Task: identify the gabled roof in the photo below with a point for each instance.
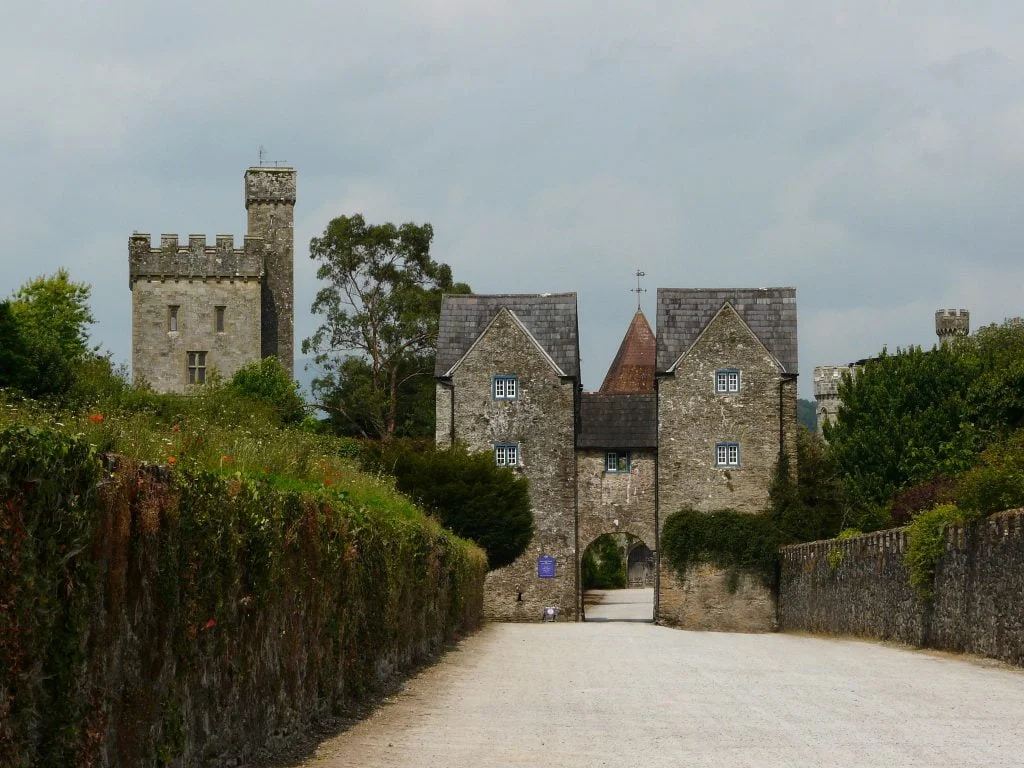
(632, 370)
(550, 318)
(618, 421)
(683, 313)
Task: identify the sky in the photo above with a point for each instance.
(869, 153)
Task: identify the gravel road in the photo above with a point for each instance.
(631, 694)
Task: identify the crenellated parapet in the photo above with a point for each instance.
(951, 324)
(270, 185)
(196, 259)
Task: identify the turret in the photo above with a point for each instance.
(951, 324)
(826, 392)
(270, 203)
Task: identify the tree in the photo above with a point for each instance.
(380, 307)
(49, 317)
(904, 418)
(469, 494)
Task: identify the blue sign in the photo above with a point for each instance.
(546, 567)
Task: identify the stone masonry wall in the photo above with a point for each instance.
(866, 592)
(541, 420)
(605, 497)
(159, 355)
(692, 418)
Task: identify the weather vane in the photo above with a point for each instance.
(638, 290)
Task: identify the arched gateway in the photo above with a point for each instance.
(696, 417)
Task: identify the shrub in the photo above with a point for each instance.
(997, 482)
(926, 544)
(939, 489)
(266, 380)
(469, 494)
(731, 540)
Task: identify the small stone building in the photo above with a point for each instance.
(199, 308)
(695, 416)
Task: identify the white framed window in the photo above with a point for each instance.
(505, 387)
(196, 363)
(727, 381)
(727, 454)
(616, 461)
(506, 454)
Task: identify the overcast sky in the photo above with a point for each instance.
(869, 153)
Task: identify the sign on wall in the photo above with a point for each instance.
(546, 567)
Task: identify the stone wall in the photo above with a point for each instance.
(713, 599)
(159, 354)
(607, 497)
(541, 420)
(692, 419)
(865, 590)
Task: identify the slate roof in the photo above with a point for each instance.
(618, 421)
(632, 370)
(550, 317)
(684, 312)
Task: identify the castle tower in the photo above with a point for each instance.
(270, 203)
(951, 324)
(826, 392)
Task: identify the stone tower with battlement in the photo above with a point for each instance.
(826, 392)
(270, 204)
(199, 308)
(951, 324)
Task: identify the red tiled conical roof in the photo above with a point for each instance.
(632, 371)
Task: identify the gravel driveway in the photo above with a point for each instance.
(633, 694)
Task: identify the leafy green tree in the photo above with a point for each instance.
(467, 492)
(813, 504)
(381, 306)
(807, 414)
(50, 315)
(905, 418)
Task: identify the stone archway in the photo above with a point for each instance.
(618, 574)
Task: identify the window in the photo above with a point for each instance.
(727, 380)
(172, 318)
(218, 319)
(727, 455)
(616, 461)
(196, 367)
(505, 387)
(506, 455)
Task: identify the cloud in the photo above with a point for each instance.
(870, 154)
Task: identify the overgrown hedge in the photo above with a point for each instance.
(730, 540)
(151, 617)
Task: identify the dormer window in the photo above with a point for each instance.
(727, 381)
(616, 461)
(505, 387)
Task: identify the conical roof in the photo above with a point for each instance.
(632, 370)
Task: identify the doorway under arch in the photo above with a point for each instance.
(617, 574)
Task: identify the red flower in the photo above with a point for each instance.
(175, 428)
(96, 418)
(171, 460)
(210, 624)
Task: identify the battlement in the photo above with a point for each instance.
(195, 259)
(270, 185)
(827, 379)
(950, 323)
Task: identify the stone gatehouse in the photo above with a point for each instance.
(695, 415)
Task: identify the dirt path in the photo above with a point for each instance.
(614, 694)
